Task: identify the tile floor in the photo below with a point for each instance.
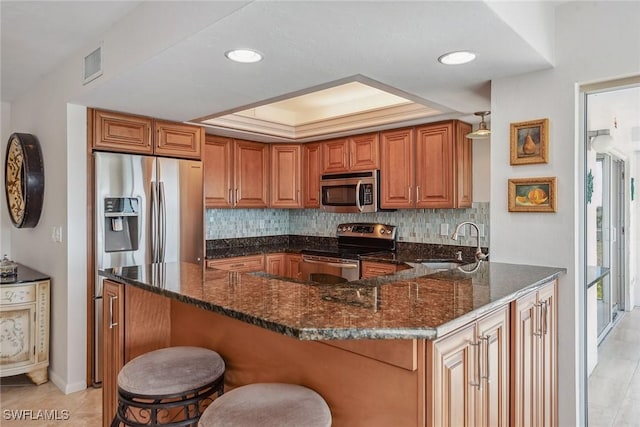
(46, 406)
(614, 385)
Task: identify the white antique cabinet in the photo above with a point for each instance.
(24, 329)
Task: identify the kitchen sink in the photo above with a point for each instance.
(441, 264)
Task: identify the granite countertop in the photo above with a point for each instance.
(25, 275)
(415, 303)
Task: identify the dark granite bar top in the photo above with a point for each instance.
(415, 303)
(24, 275)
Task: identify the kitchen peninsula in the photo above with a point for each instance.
(403, 349)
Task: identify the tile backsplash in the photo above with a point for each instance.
(414, 225)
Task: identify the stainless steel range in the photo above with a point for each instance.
(343, 265)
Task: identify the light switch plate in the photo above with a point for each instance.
(444, 229)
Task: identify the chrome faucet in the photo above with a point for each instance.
(479, 255)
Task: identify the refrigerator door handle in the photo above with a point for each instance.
(163, 222)
(154, 224)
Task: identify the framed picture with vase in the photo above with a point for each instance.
(530, 142)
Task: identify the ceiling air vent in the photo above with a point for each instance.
(93, 65)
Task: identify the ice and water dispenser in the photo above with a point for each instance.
(121, 221)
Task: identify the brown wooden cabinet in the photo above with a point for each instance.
(277, 264)
(241, 264)
(468, 371)
(373, 269)
(112, 347)
(236, 173)
(312, 161)
(251, 174)
(130, 133)
(286, 176)
(534, 358)
(294, 266)
(355, 153)
(218, 172)
(427, 167)
(397, 168)
(178, 139)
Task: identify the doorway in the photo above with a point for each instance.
(610, 221)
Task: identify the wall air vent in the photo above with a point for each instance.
(93, 65)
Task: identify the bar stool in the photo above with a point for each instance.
(268, 405)
(168, 387)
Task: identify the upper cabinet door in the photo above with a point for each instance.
(286, 182)
(335, 155)
(251, 161)
(364, 152)
(312, 157)
(397, 169)
(434, 166)
(178, 139)
(122, 132)
(464, 166)
(218, 172)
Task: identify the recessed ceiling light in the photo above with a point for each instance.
(246, 56)
(457, 58)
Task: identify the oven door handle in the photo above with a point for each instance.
(330, 264)
(358, 185)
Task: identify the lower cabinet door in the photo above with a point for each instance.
(113, 347)
(493, 404)
(451, 397)
(470, 374)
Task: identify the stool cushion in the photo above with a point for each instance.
(170, 371)
(267, 405)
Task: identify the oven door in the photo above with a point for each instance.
(328, 270)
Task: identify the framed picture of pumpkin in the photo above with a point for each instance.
(532, 194)
(530, 142)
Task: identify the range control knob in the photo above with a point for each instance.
(382, 230)
(388, 231)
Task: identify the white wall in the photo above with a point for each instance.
(583, 55)
(5, 223)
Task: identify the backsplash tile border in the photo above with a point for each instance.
(414, 225)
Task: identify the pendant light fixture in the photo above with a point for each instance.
(482, 132)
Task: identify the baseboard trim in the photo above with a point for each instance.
(65, 387)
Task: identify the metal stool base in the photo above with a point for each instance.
(176, 410)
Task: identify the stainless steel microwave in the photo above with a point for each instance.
(350, 192)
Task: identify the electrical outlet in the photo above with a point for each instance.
(444, 229)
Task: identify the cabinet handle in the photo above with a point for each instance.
(417, 193)
(538, 307)
(477, 382)
(230, 196)
(238, 265)
(298, 196)
(544, 318)
(112, 324)
(235, 202)
(487, 363)
(409, 193)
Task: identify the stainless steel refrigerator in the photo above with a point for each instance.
(147, 210)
